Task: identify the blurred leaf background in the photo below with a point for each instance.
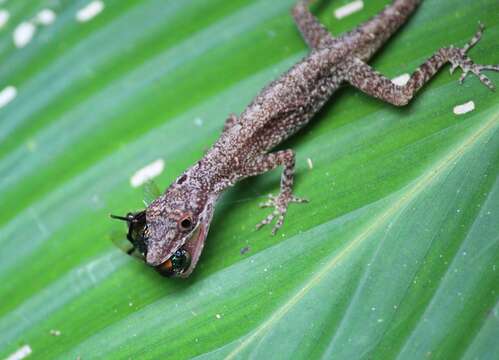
(394, 257)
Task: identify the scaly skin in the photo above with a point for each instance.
(180, 218)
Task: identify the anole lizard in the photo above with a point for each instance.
(170, 233)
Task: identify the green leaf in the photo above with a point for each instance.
(395, 256)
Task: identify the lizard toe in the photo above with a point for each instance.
(298, 200)
(280, 221)
(267, 220)
(458, 58)
(280, 204)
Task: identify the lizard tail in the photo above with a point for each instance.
(381, 27)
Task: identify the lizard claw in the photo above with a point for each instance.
(458, 58)
(463, 76)
(280, 204)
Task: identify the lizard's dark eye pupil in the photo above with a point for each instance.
(186, 223)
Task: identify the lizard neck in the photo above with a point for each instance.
(206, 177)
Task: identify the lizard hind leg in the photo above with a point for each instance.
(363, 77)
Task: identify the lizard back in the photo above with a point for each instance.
(288, 103)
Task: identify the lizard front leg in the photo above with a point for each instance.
(314, 33)
(267, 162)
(362, 76)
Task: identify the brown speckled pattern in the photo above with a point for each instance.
(280, 110)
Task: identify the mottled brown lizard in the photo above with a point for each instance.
(170, 233)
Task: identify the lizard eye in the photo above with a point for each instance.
(185, 223)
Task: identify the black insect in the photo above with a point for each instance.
(138, 237)
(137, 231)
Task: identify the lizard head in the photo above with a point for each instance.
(170, 233)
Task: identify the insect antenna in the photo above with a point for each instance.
(123, 218)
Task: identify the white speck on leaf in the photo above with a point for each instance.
(310, 163)
(464, 108)
(401, 80)
(147, 173)
(218, 316)
(90, 11)
(348, 9)
(8, 94)
(4, 17)
(23, 34)
(45, 17)
(198, 122)
(55, 332)
(21, 353)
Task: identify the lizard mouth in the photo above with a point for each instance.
(182, 262)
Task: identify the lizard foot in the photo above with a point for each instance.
(458, 58)
(280, 204)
